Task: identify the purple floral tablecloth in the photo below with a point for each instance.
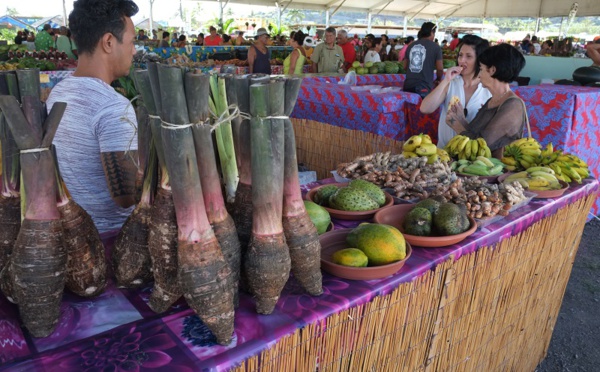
(118, 331)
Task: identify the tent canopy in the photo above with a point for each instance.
(441, 8)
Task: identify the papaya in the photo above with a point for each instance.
(382, 244)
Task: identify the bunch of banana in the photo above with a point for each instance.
(462, 147)
(569, 168)
(443, 155)
(536, 179)
(522, 154)
(482, 166)
(5, 66)
(420, 145)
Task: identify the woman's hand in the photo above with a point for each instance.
(452, 73)
(455, 118)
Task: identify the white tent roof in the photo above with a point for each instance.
(443, 8)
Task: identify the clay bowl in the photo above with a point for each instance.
(547, 194)
(348, 215)
(394, 216)
(335, 240)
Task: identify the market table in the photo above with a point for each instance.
(335, 123)
(569, 117)
(488, 303)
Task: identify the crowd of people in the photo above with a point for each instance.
(55, 39)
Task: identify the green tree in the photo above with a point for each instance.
(294, 16)
(11, 11)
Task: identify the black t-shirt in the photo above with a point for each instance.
(422, 56)
(18, 39)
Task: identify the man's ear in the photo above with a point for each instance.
(107, 43)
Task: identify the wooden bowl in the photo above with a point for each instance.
(547, 194)
(395, 215)
(348, 215)
(335, 240)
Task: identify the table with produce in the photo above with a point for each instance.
(450, 271)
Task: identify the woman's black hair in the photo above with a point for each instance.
(299, 37)
(90, 20)
(478, 44)
(226, 38)
(181, 38)
(507, 60)
(376, 41)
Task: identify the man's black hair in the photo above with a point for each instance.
(90, 20)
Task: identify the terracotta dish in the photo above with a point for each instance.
(547, 194)
(394, 216)
(335, 240)
(347, 215)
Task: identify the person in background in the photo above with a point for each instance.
(385, 48)
(259, 56)
(154, 35)
(445, 44)
(455, 40)
(164, 42)
(461, 81)
(213, 39)
(502, 118)
(536, 47)
(73, 45)
(30, 36)
(142, 36)
(226, 40)
(347, 48)
(422, 57)
(409, 40)
(526, 45)
(174, 39)
(327, 56)
(19, 38)
(294, 62)
(546, 47)
(239, 40)
(44, 41)
(64, 44)
(309, 46)
(181, 42)
(96, 140)
(200, 40)
(373, 55)
(355, 40)
(593, 51)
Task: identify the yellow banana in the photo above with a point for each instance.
(537, 182)
(510, 167)
(467, 149)
(426, 149)
(508, 160)
(548, 150)
(462, 144)
(425, 138)
(528, 158)
(409, 154)
(412, 143)
(433, 158)
(556, 168)
(488, 152)
(519, 141)
(474, 149)
(583, 172)
(540, 169)
(530, 151)
(485, 160)
(524, 163)
(514, 177)
(549, 177)
(564, 178)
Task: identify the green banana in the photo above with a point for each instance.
(485, 161)
(476, 170)
(540, 169)
(496, 170)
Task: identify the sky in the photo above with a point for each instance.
(162, 9)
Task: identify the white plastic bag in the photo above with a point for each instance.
(350, 79)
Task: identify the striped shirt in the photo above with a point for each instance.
(97, 120)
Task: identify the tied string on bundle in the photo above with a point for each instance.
(134, 125)
(34, 151)
(231, 113)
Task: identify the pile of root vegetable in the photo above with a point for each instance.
(410, 178)
(220, 205)
(414, 178)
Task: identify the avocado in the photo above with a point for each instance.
(448, 220)
(418, 222)
(371, 189)
(430, 204)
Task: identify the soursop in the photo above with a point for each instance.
(418, 222)
(352, 199)
(372, 190)
(322, 195)
(449, 219)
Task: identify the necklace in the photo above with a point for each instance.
(499, 98)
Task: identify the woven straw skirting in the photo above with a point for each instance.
(493, 310)
(321, 147)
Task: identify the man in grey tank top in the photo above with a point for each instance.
(95, 141)
(259, 56)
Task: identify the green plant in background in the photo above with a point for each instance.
(8, 35)
(125, 86)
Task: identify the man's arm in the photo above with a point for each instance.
(120, 170)
(315, 57)
(439, 70)
(251, 58)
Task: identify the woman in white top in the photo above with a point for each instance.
(462, 82)
(373, 53)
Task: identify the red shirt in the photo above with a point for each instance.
(454, 43)
(349, 54)
(212, 41)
